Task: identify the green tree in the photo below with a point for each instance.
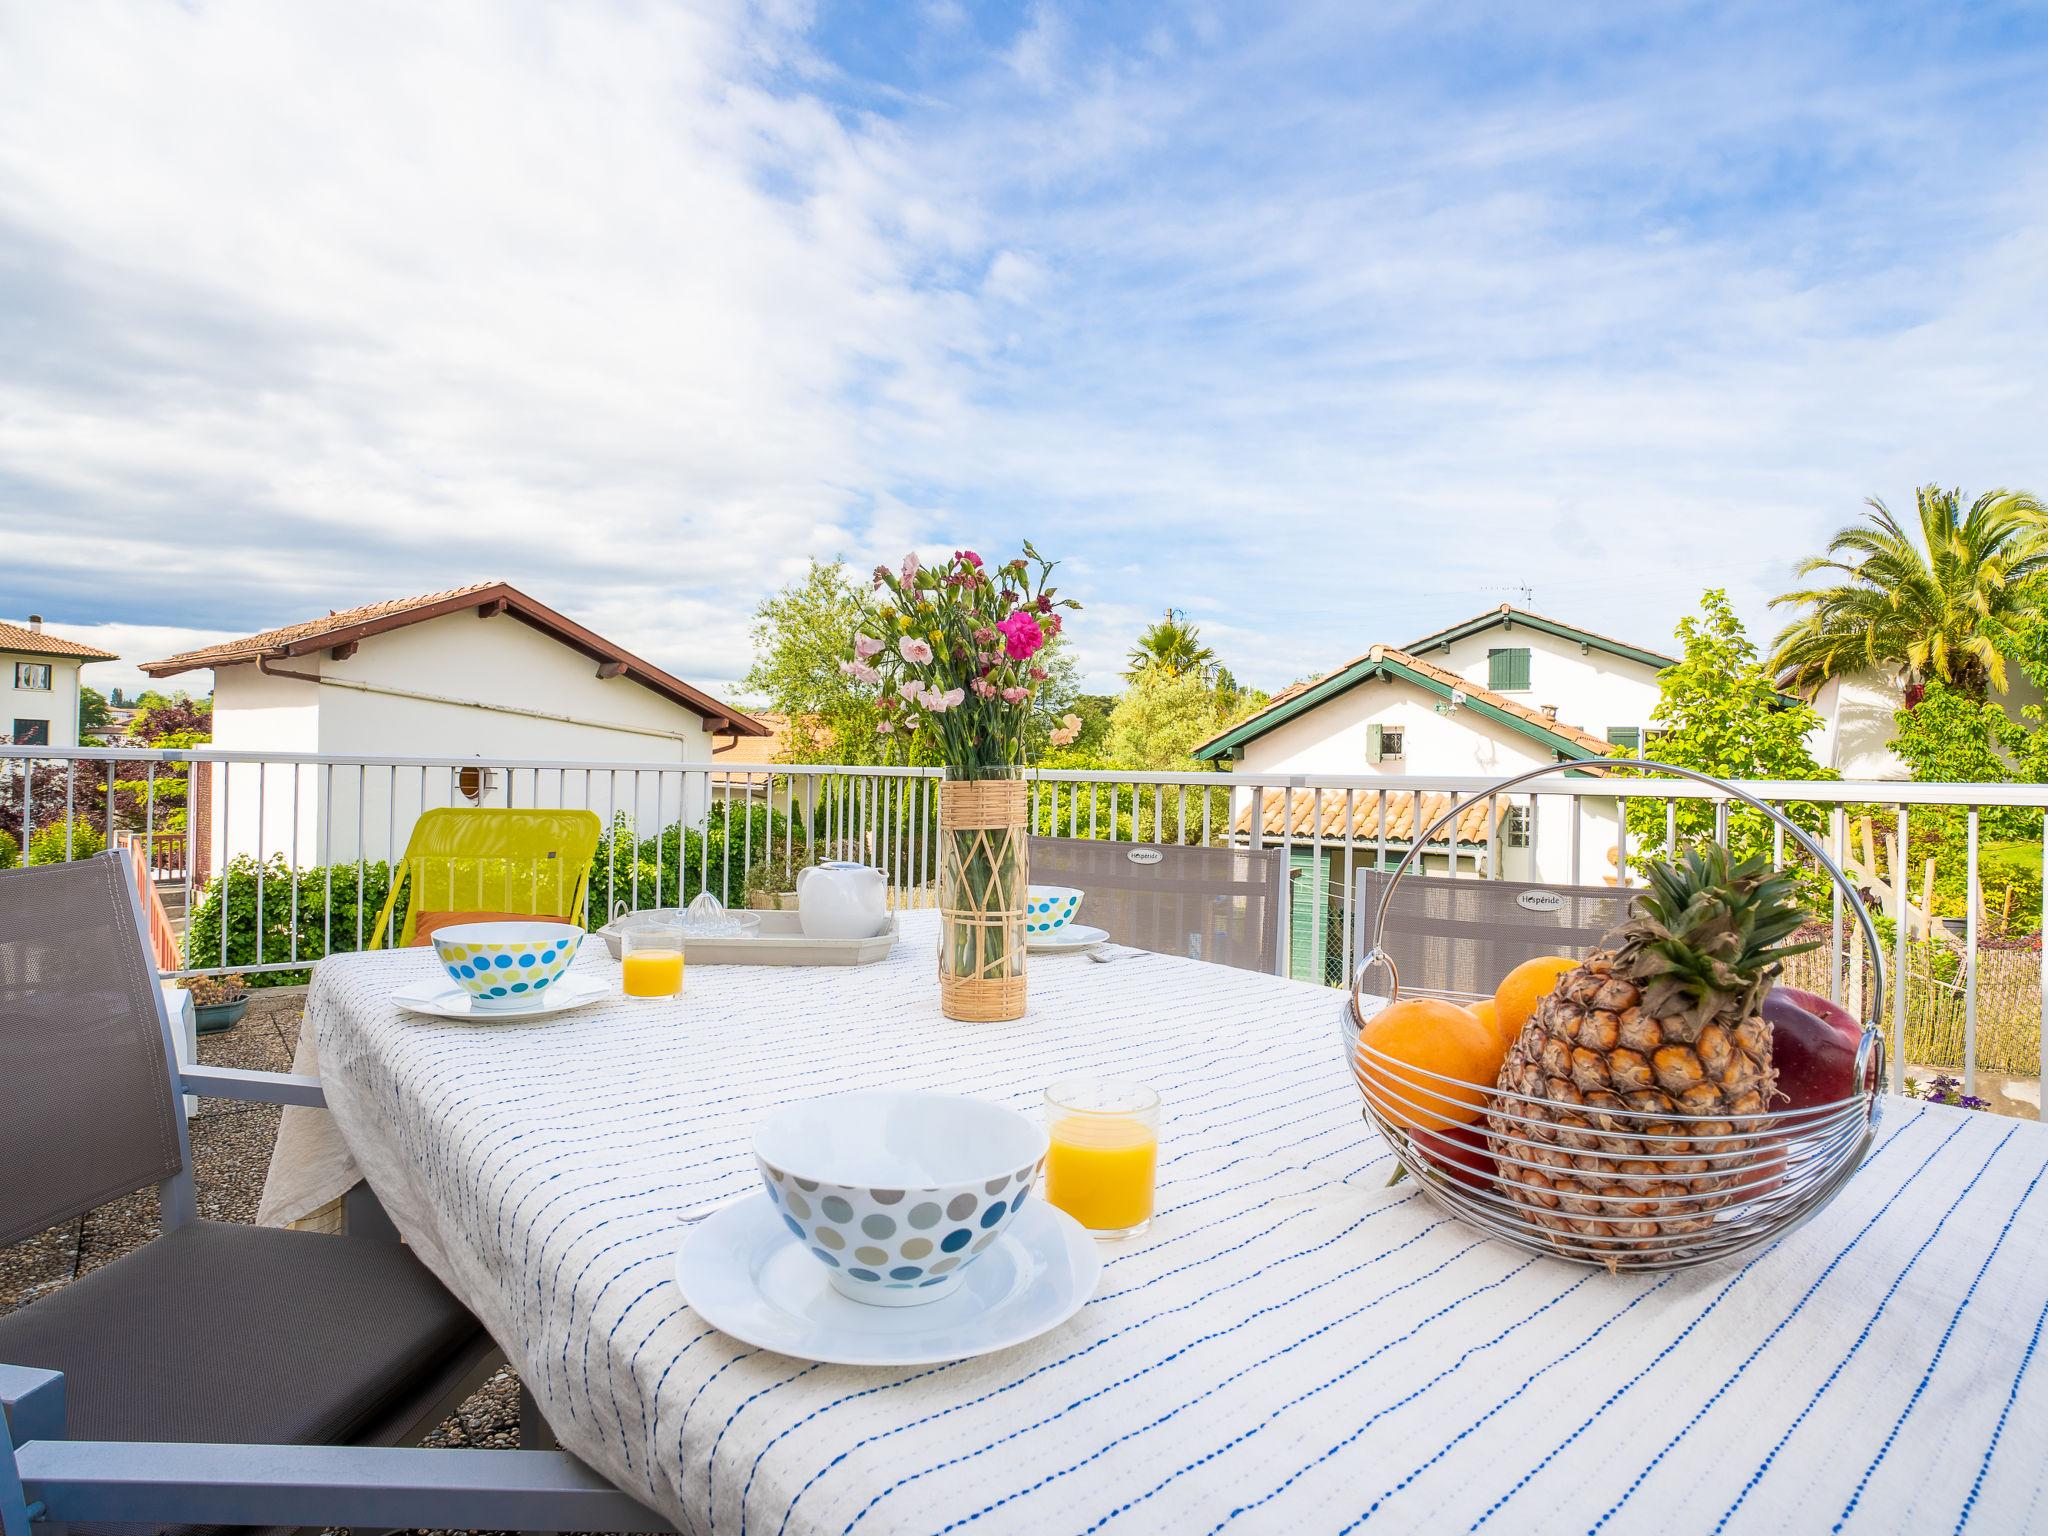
(1718, 712)
(1173, 646)
(93, 713)
(1163, 716)
(801, 636)
(1943, 606)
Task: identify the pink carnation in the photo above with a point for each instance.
(914, 650)
(865, 646)
(983, 688)
(885, 729)
(1022, 637)
(1016, 695)
(969, 556)
(910, 567)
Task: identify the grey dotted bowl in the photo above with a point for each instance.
(897, 1193)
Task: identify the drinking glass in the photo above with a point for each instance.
(1104, 1156)
(651, 953)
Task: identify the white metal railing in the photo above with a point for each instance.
(201, 816)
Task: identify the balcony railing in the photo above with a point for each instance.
(325, 830)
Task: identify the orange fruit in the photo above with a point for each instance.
(1524, 987)
(1419, 1036)
(1487, 1012)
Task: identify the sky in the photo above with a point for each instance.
(1328, 324)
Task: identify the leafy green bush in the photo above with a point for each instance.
(10, 851)
(47, 844)
(331, 900)
(671, 868)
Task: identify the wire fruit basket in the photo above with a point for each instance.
(1596, 1184)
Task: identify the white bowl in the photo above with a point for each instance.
(507, 965)
(1049, 908)
(897, 1193)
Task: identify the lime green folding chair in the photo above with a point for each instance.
(465, 865)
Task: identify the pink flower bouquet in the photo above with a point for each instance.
(950, 649)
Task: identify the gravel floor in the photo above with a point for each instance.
(230, 1150)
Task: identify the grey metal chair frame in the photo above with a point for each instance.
(1455, 938)
(1255, 877)
(47, 1480)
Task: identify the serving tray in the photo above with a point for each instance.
(778, 941)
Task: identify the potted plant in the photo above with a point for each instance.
(770, 887)
(951, 648)
(218, 1002)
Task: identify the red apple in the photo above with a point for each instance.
(1815, 1057)
(1461, 1152)
(1829, 1012)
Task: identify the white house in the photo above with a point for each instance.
(1856, 724)
(481, 673)
(39, 683)
(1497, 695)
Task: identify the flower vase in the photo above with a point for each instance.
(984, 872)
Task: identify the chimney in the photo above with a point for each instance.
(35, 622)
(1550, 711)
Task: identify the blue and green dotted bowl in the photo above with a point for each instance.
(1049, 908)
(895, 1192)
(507, 965)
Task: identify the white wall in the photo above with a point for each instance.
(59, 706)
(496, 662)
(1332, 739)
(1591, 689)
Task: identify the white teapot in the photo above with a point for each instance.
(841, 900)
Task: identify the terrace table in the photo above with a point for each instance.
(1293, 1346)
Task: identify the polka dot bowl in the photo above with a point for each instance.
(897, 1193)
(1049, 908)
(506, 967)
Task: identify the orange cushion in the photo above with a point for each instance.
(430, 923)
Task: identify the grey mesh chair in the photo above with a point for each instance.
(1219, 904)
(180, 1386)
(1456, 938)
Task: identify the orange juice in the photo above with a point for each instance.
(653, 972)
(1100, 1170)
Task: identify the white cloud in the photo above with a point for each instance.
(1289, 324)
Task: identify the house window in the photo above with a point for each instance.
(1507, 671)
(1382, 741)
(1628, 737)
(31, 733)
(32, 676)
(1514, 827)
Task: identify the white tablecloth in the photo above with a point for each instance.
(1292, 1347)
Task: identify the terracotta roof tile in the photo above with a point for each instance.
(1536, 717)
(351, 624)
(1281, 814)
(40, 642)
(291, 637)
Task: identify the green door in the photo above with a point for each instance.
(1309, 917)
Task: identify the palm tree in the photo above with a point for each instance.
(1943, 606)
(1172, 645)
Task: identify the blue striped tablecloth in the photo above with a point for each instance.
(1292, 1347)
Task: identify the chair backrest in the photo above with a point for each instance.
(535, 863)
(1218, 904)
(1457, 938)
(88, 1112)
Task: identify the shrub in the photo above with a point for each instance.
(331, 900)
(10, 851)
(47, 844)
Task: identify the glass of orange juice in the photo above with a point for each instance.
(651, 953)
(1104, 1156)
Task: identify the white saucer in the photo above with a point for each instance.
(747, 1277)
(1073, 936)
(441, 1001)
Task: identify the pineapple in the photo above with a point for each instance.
(1663, 1019)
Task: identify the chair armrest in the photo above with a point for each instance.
(259, 1087)
(33, 1400)
(323, 1485)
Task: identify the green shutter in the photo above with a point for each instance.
(1629, 736)
(1375, 742)
(1507, 671)
(1309, 917)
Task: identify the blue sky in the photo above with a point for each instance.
(1326, 323)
